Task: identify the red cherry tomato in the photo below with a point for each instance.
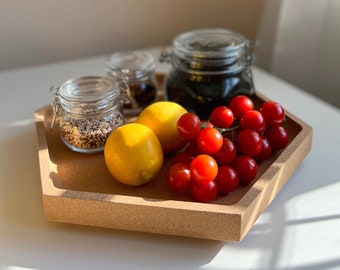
(205, 192)
(249, 142)
(188, 126)
(205, 123)
(221, 117)
(203, 169)
(183, 157)
(265, 152)
(273, 112)
(246, 168)
(178, 177)
(209, 141)
(277, 137)
(226, 179)
(239, 105)
(191, 148)
(253, 120)
(227, 154)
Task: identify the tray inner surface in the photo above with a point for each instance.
(88, 172)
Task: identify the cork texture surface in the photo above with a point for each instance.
(78, 188)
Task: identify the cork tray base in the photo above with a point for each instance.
(78, 189)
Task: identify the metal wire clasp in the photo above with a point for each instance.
(55, 105)
(127, 97)
(251, 58)
(165, 56)
(250, 51)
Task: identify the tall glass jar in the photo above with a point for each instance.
(137, 68)
(209, 67)
(89, 109)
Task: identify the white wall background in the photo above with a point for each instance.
(35, 32)
(299, 39)
(300, 42)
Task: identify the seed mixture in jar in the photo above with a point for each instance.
(89, 109)
(90, 133)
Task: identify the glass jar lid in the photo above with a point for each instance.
(89, 94)
(132, 64)
(89, 89)
(210, 43)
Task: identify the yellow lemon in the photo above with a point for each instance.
(162, 117)
(133, 154)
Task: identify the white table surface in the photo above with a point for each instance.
(299, 230)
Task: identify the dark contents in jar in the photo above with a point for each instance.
(143, 94)
(201, 93)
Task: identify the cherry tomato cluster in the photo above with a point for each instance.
(224, 152)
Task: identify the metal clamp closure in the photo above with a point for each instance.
(55, 105)
(165, 56)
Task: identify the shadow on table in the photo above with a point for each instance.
(270, 235)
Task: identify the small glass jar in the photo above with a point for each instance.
(89, 109)
(138, 70)
(209, 67)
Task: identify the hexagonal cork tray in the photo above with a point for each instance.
(78, 189)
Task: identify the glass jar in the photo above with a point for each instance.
(89, 109)
(138, 70)
(209, 67)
